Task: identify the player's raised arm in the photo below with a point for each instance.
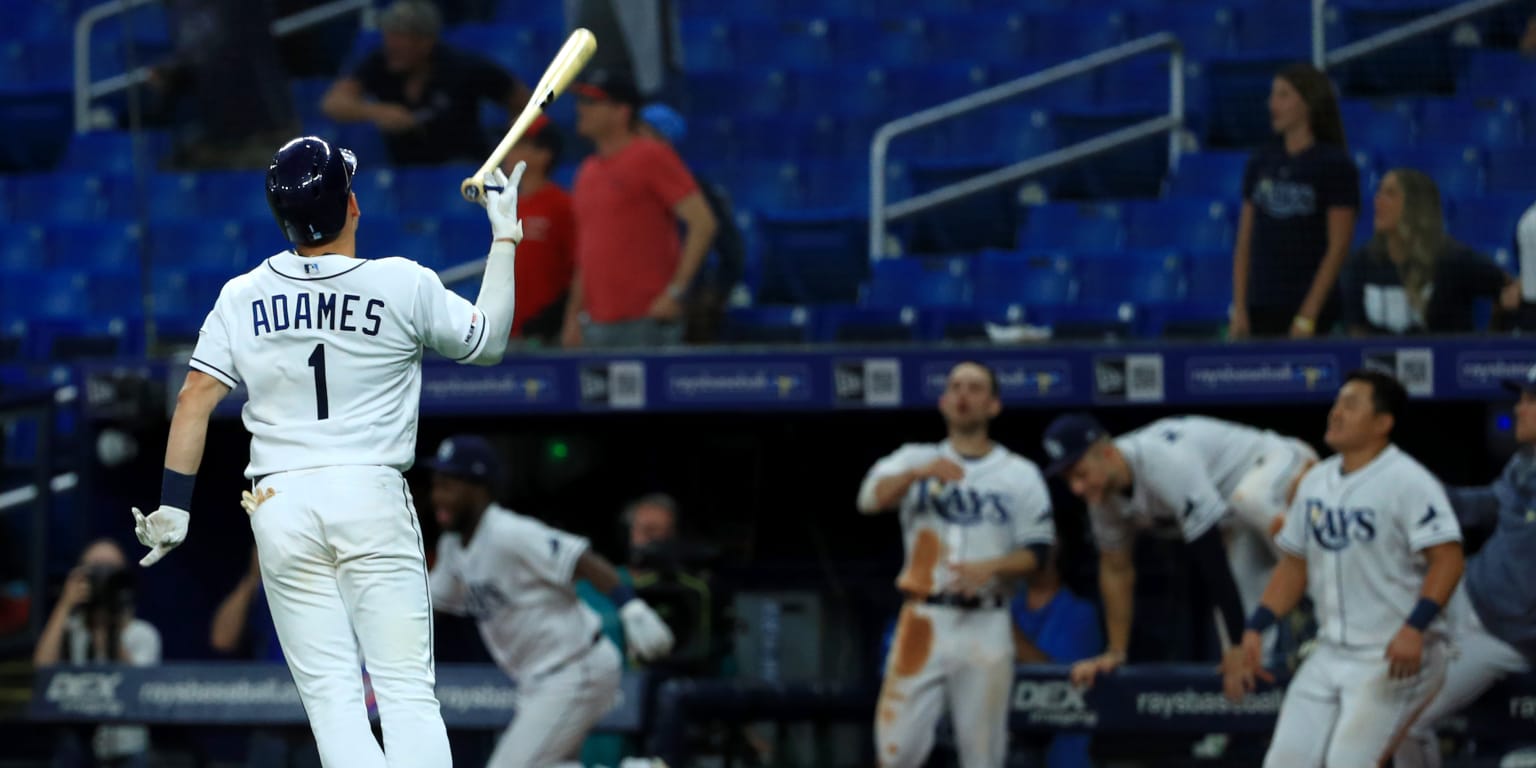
(166, 527)
(891, 477)
(646, 633)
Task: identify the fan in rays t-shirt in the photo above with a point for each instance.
(1291, 195)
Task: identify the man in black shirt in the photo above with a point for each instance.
(424, 95)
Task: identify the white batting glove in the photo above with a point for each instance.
(501, 203)
(162, 531)
(647, 635)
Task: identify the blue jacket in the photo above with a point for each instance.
(1501, 577)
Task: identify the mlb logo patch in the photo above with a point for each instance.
(311, 269)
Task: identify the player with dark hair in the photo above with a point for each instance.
(1224, 486)
(329, 348)
(975, 518)
(1372, 538)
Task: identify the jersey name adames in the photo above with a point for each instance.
(317, 311)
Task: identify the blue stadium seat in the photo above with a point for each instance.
(843, 324)
(173, 195)
(1006, 135)
(48, 293)
(1190, 320)
(1086, 322)
(112, 152)
(767, 185)
(785, 41)
(415, 239)
(375, 190)
(812, 258)
(850, 90)
(1141, 83)
(1457, 170)
(1237, 92)
(744, 92)
(233, 193)
(1488, 219)
(365, 141)
(1496, 74)
(835, 184)
(985, 220)
(1180, 223)
(307, 93)
(916, 88)
(1031, 279)
(1418, 65)
(1483, 122)
(23, 247)
(967, 324)
(1273, 29)
(917, 282)
(1210, 277)
(1134, 170)
(1378, 123)
(896, 40)
(96, 245)
(1074, 227)
(429, 190)
(987, 38)
(462, 237)
(767, 325)
(1137, 277)
(201, 243)
(496, 42)
(1069, 34)
(708, 44)
(1509, 170)
(59, 197)
(1205, 30)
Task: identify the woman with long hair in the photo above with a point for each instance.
(1300, 197)
(1412, 277)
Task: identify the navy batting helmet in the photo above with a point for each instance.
(308, 185)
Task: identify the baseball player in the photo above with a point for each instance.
(1495, 606)
(975, 517)
(1183, 471)
(1372, 538)
(515, 576)
(329, 348)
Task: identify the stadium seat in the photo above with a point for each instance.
(835, 184)
(967, 324)
(1074, 227)
(113, 152)
(843, 90)
(429, 190)
(988, 38)
(494, 41)
(1140, 83)
(366, 142)
(1378, 123)
(1183, 224)
(1237, 90)
(1188, 320)
(767, 325)
(1210, 277)
(1457, 170)
(96, 245)
(812, 258)
(1486, 123)
(1273, 29)
(48, 293)
(1418, 65)
(1134, 170)
(307, 93)
(47, 197)
(1209, 175)
(1205, 30)
(415, 239)
(375, 190)
(708, 44)
(986, 220)
(1086, 322)
(1137, 277)
(767, 185)
(1488, 219)
(1509, 170)
(1069, 34)
(795, 43)
(233, 193)
(896, 40)
(1496, 74)
(23, 247)
(855, 325)
(173, 195)
(917, 282)
(764, 91)
(201, 243)
(1030, 279)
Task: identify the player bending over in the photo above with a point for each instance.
(1184, 471)
(1495, 605)
(1372, 538)
(975, 518)
(329, 348)
(515, 576)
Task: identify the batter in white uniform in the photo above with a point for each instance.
(329, 348)
(1184, 473)
(515, 576)
(975, 517)
(1372, 538)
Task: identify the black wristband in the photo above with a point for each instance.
(1424, 612)
(176, 490)
(1263, 618)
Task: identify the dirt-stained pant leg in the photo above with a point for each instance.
(912, 697)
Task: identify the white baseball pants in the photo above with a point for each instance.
(1258, 507)
(344, 571)
(1343, 711)
(557, 709)
(943, 656)
(1480, 661)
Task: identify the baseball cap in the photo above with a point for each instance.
(605, 85)
(667, 122)
(465, 456)
(1527, 384)
(1069, 436)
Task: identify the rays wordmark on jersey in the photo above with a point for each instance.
(1335, 528)
(963, 506)
(482, 599)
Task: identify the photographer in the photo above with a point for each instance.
(672, 575)
(93, 623)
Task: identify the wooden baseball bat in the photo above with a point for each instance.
(578, 49)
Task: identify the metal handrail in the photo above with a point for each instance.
(87, 91)
(1323, 58)
(880, 213)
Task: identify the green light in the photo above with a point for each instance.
(559, 450)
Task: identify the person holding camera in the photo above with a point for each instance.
(94, 623)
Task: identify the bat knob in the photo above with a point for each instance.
(471, 191)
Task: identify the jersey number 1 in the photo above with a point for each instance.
(317, 362)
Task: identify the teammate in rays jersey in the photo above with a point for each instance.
(975, 517)
(1372, 538)
(329, 348)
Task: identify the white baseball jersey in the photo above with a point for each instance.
(514, 578)
(330, 350)
(1183, 471)
(1001, 505)
(1361, 534)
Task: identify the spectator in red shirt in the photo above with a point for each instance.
(631, 269)
(546, 259)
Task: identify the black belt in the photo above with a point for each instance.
(968, 602)
(597, 637)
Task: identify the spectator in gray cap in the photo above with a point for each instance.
(422, 94)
